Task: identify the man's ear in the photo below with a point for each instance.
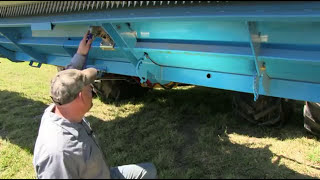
(80, 96)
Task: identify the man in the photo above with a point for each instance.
(66, 146)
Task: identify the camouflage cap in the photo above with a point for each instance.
(67, 84)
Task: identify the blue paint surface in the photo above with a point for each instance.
(186, 44)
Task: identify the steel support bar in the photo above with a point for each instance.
(12, 34)
(255, 42)
(278, 87)
(7, 53)
(284, 53)
(70, 47)
(120, 42)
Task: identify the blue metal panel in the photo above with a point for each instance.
(7, 53)
(217, 47)
(217, 80)
(59, 60)
(41, 26)
(186, 44)
(10, 47)
(116, 67)
(53, 60)
(308, 53)
(278, 88)
(297, 33)
(200, 60)
(4, 40)
(14, 36)
(211, 30)
(20, 56)
(293, 70)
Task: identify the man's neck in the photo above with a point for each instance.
(70, 115)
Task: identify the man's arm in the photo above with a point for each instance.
(79, 59)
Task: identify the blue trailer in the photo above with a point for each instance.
(266, 51)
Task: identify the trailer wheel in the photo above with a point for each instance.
(115, 90)
(311, 113)
(266, 111)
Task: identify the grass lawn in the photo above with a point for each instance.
(188, 132)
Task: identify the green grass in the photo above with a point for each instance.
(188, 132)
(314, 155)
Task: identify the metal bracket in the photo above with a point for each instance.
(265, 79)
(120, 42)
(107, 43)
(149, 70)
(38, 66)
(142, 79)
(255, 42)
(13, 35)
(256, 80)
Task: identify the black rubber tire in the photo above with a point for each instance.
(266, 111)
(311, 113)
(117, 90)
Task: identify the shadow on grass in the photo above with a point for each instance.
(20, 119)
(183, 132)
(203, 105)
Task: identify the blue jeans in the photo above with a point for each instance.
(134, 171)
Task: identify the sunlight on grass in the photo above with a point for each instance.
(292, 153)
(15, 162)
(314, 155)
(108, 112)
(29, 81)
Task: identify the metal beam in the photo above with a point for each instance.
(290, 89)
(70, 47)
(7, 53)
(297, 53)
(13, 35)
(255, 43)
(120, 42)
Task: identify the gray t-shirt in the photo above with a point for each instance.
(67, 150)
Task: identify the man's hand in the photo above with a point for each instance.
(84, 45)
